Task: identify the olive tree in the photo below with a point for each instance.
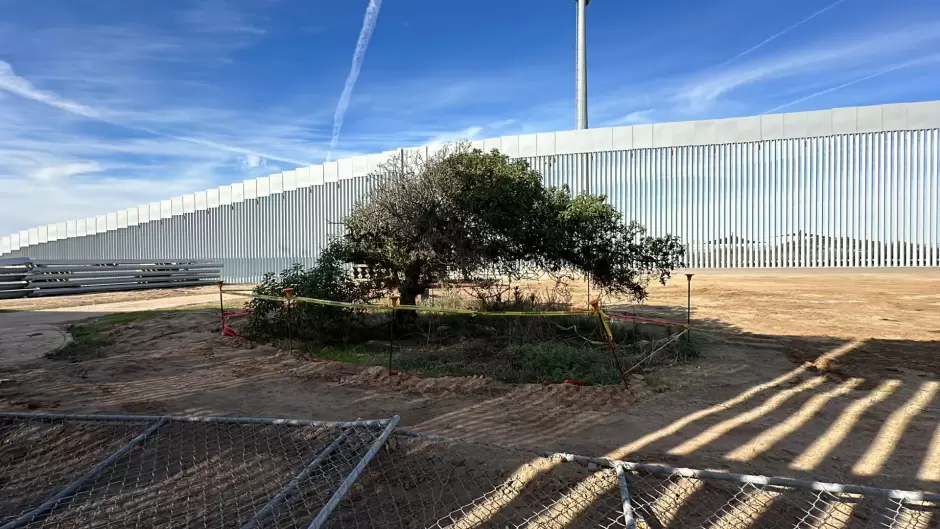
(463, 213)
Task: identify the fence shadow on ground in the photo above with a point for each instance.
(857, 411)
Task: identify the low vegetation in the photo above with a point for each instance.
(462, 216)
(519, 349)
(91, 338)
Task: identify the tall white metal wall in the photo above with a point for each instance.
(856, 187)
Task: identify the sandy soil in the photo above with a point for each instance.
(831, 375)
(55, 302)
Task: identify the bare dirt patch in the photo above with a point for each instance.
(843, 389)
(57, 302)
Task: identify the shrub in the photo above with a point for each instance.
(328, 279)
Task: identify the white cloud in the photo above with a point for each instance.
(23, 206)
(467, 134)
(251, 161)
(17, 85)
(22, 87)
(636, 117)
(216, 16)
(57, 173)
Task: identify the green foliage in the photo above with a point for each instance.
(511, 349)
(545, 363)
(557, 362)
(328, 280)
(467, 214)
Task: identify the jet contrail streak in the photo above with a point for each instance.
(359, 55)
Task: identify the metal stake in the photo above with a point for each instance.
(391, 334)
(289, 293)
(595, 305)
(688, 320)
(221, 307)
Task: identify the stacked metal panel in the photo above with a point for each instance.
(26, 277)
(848, 187)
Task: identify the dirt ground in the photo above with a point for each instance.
(56, 302)
(828, 375)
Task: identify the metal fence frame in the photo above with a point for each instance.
(156, 422)
(616, 464)
(628, 515)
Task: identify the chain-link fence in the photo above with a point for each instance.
(99, 471)
(120, 471)
(526, 339)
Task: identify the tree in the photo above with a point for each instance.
(462, 213)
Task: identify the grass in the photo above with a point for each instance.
(530, 349)
(91, 338)
(546, 363)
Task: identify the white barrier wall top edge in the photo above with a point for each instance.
(849, 120)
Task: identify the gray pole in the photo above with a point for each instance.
(581, 110)
(581, 66)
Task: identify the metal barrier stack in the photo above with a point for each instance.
(25, 277)
(71, 471)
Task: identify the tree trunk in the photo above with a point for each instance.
(408, 295)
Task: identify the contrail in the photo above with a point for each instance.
(890, 69)
(779, 34)
(22, 87)
(365, 34)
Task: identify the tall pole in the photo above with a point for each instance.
(581, 66)
(581, 109)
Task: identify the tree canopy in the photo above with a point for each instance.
(465, 214)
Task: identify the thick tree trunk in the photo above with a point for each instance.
(408, 295)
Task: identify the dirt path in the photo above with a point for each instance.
(54, 302)
(830, 376)
(28, 335)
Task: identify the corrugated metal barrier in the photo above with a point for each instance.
(855, 187)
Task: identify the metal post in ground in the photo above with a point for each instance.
(595, 306)
(688, 318)
(289, 293)
(391, 334)
(221, 307)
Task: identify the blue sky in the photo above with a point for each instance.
(107, 104)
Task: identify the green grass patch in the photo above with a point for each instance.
(543, 350)
(91, 338)
(528, 363)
